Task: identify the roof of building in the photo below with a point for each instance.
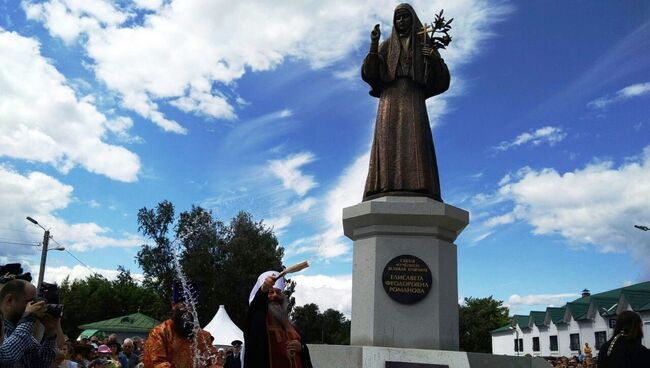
(136, 322)
(556, 314)
(578, 309)
(605, 304)
(537, 318)
(638, 299)
(521, 320)
(637, 295)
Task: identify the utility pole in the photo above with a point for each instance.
(41, 271)
(46, 242)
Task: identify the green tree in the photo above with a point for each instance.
(156, 260)
(307, 320)
(329, 327)
(96, 298)
(336, 328)
(477, 317)
(224, 261)
(250, 248)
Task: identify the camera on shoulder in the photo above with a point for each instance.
(15, 271)
(49, 293)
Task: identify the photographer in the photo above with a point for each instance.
(19, 312)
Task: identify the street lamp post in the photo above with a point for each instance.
(46, 242)
(513, 325)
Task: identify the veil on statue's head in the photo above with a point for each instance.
(416, 25)
(394, 46)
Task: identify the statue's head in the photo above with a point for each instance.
(403, 19)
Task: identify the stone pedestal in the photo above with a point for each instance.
(338, 356)
(388, 227)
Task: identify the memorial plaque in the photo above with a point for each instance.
(406, 279)
(413, 365)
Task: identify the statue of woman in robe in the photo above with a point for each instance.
(403, 72)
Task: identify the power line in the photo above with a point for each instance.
(73, 256)
(17, 243)
(18, 230)
(78, 260)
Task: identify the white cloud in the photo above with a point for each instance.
(41, 196)
(215, 43)
(67, 19)
(42, 120)
(288, 171)
(280, 222)
(596, 205)
(634, 90)
(149, 4)
(547, 134)
(507, 218)
(325, 291)
(77, 272)
(347, 192)
(540, 299)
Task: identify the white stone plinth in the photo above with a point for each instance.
(383, 229)
(338, 356)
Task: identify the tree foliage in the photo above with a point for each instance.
(96, 298)
(477, 317)
(329, 327)
(223, 260)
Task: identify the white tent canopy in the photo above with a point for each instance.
(223, 329)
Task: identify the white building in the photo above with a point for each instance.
(564, 331)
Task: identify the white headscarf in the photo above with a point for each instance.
(279, 283)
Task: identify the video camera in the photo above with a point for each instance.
(16, 271)
(49, 293)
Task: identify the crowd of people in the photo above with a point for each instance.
(270, 339)
(93, 352)
(623, 350)
(111, 353)
(31, 335)
(584, 359)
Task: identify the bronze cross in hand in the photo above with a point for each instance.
(426, 28)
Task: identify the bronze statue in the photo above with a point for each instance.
(403, 72)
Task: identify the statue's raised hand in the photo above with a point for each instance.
(430, 52)
(375, 34)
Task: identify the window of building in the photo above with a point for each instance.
(521, 344)
(574, 341)
(516, 345)
(553, 343)
(601, 338)
(535, 343)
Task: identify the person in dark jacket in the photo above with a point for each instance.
(270, 340)
(234, 360)
(624, 349)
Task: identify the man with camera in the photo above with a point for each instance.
(18, 347)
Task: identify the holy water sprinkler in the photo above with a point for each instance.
(295, 268)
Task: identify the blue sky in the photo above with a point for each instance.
(106, 107)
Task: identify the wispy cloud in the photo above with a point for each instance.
(547, 134)
(595, 205)
(635, 90)
(540, 299)
(288, 171)
(280, 222)
(41, 196)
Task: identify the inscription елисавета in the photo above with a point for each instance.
(407, 279)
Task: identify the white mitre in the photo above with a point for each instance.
(279, 283)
